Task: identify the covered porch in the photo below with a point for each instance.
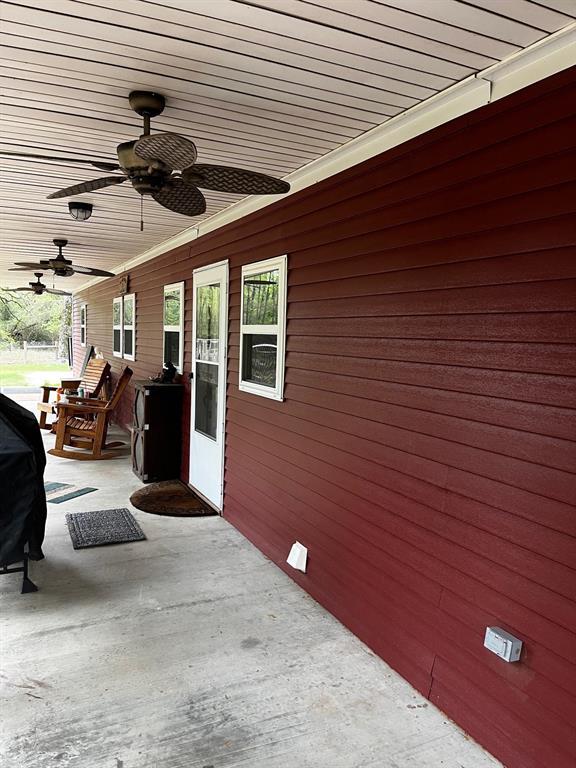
(193, 649)
(348, 228)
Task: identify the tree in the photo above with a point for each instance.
(65, 327)
(26, 317)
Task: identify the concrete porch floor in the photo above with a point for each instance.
(192, 650)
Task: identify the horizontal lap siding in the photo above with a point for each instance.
(425, 450)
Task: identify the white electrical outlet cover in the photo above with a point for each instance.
(298, 557)
(503, 644)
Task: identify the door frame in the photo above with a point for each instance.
(223, 373)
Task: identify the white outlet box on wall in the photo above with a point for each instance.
(502, 643)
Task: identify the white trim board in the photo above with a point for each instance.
(540, 60)
(537, 62)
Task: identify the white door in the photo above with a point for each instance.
(209, 339)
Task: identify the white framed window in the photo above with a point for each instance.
(117, 326)
(263, 328)
(129, 327)
(173, 324)
(83, 315)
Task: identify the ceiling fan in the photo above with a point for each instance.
(164, 166)
(39, 288)
(61, 266)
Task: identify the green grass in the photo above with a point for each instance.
(31, 374)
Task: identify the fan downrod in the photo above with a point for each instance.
(60, 243)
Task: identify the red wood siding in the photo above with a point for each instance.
(425, 450)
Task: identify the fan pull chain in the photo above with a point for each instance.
(141, 213)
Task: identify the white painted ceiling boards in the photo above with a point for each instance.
(269, 85)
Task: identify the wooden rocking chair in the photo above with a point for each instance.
(83, 423)
(94, 380)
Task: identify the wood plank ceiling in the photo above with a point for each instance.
(263, 84)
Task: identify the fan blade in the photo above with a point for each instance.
(91, 271)
(101, 165)
(180, 197)
(222, 178)
(171, 148)
(56, 292)
(20, 289)
(26, 266)
(87, 186)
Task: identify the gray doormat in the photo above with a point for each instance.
(103, 526)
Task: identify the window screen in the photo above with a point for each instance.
(173, 324)
(263, 328)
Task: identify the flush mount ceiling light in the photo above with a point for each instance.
(80, 211)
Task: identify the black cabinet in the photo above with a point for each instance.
(157, 431)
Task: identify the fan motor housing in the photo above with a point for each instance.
(37, 285)
(61, 267)
(147, 176)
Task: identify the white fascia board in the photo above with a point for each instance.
(540, 60)
(546, 57)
